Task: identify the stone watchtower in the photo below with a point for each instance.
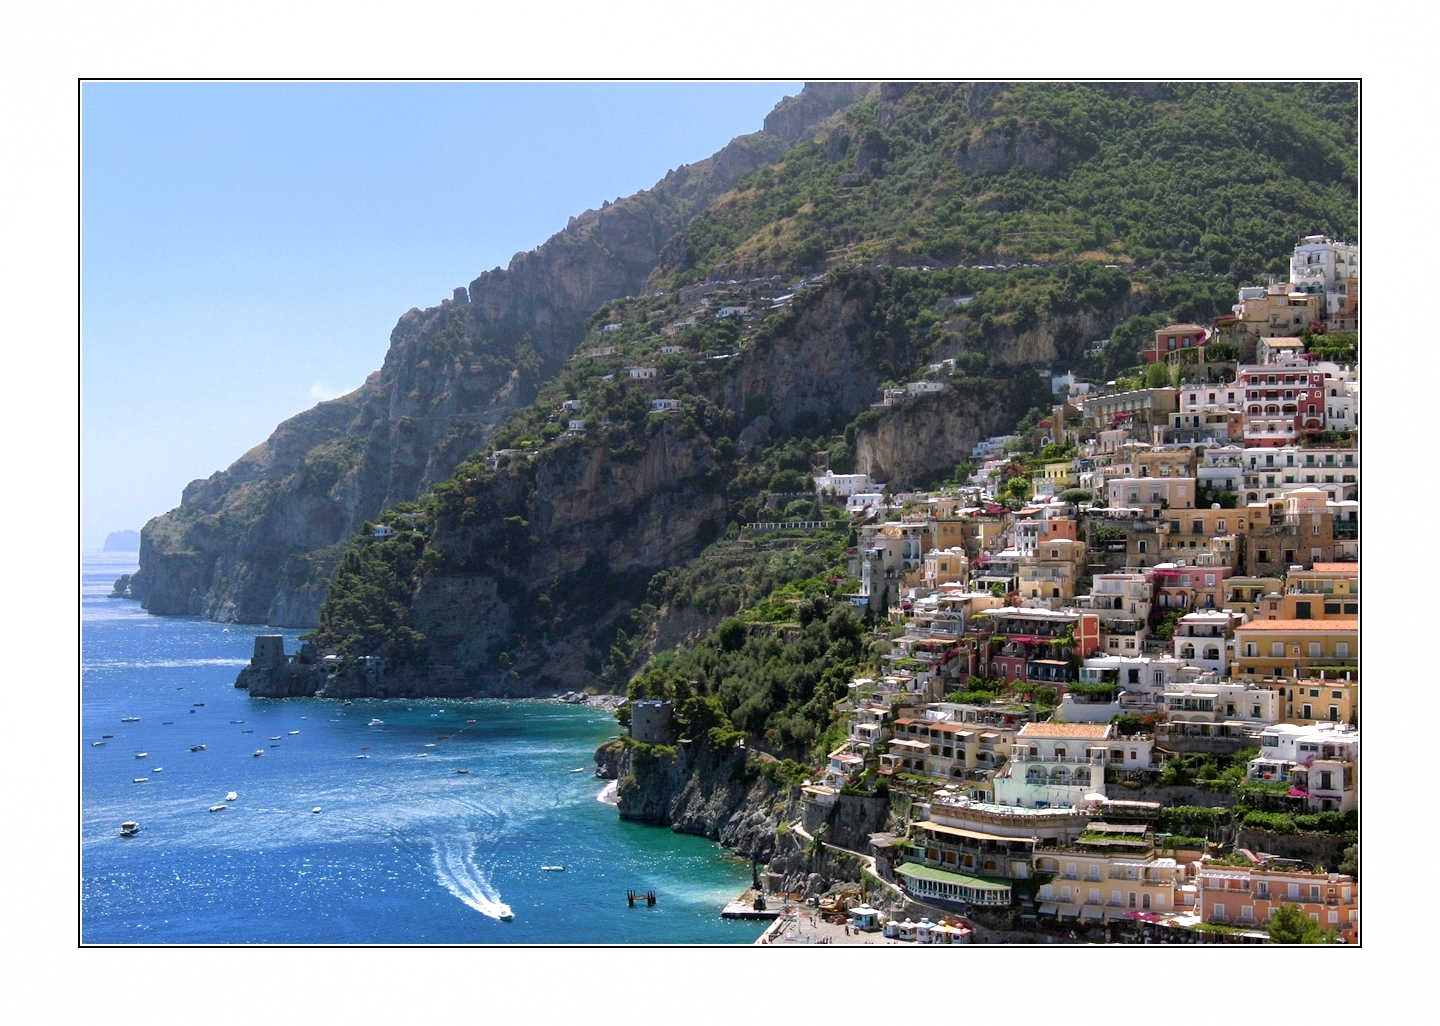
(269, 652)
(652, 722)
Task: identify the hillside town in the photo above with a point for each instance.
(1120, 694)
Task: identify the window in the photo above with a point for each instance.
(1247, 911)
(1302, 612)
(1314, 892)
(1277, 648)
(1314, 650)
(1342, 650)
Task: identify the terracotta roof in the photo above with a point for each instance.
(1095, 731)
(1338, 568)
(1349, 626)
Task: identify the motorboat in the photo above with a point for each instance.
(462, 771)
(141, 780)
(429, 744)
(364, 748)
(247, 731)
(197, 748)
(505, 914)
(552, 869)
(107, 735)
(274, 746)
(129, 828)
(142, 755)
(376, 723)
(129, 719)
(167, 723)
(96, 744)
(275, 738)
(472, 721)
(157, 769)
(237, 721)
(315, 809)
(218, 808)
(362, 756)
(293, 732)
(578, 769)
(258, 752)
(231, 796)
(198, 704)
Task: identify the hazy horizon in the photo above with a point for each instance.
(248, 247)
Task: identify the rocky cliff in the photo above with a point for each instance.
(249, 544)
(925, 435)
(724, 796)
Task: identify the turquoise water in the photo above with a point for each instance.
(404, 850)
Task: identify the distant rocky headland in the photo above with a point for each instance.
(122, 541)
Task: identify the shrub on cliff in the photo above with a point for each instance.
(366, 609)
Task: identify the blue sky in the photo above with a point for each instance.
(247, 248)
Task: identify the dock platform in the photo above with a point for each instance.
(743, 907)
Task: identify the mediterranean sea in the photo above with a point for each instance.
(404, 848)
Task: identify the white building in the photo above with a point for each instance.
(641, 373)
(842, 485)
(861, 501)
(664, 405)
(1320, 262)
(1201, 639)
(915, 388)
(1208, 700)
(1321, 760)
(1134, 673)
(1051, 764)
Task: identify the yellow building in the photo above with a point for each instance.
(1088, 882)
(1298, 649)
(1244, 594)
(1327, 591)
(1318, 701)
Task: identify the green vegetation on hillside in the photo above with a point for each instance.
(1211, 179)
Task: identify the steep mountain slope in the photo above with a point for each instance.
(249, 543)
(1186, 190)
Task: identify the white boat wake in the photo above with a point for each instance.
(455, 867)
(608, 794)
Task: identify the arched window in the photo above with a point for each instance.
(1187, 652)
(1212, 653)
(1059, 751)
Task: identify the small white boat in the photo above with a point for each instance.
(294, 732)
(232, 796)
(251, 731)
(141, 780)
(96, 744)
(237, 721)
(315, 809)
(430, 744)
(505, 914)
(197, 748)
(578, 769)
(362, 756)
(142, 755)
(129, 719)
(157, 769)
(462, 771)
(552, 869)
(376, 723)
(275, 738)
(258, 752)
(129, 828)
(218, 808)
